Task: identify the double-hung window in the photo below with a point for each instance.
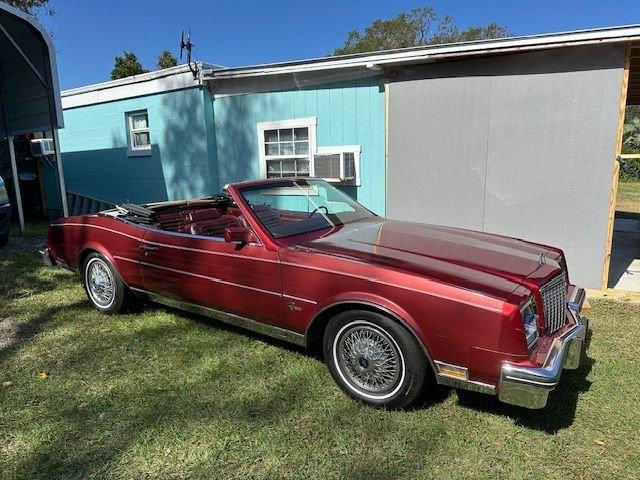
(139, 134)
(286, 148)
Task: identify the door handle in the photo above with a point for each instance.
(148, 248)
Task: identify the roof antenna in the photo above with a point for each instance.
(188, 46)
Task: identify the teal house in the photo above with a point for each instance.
(173, 134)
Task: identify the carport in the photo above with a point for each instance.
(29, 92)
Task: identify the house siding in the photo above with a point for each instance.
(520, 145)
(94, 149)
(347, 113)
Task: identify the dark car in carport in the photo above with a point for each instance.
(5, 214)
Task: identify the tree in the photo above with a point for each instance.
(166, 60)
(631, 131)
(33, 7)
(420, 26)
(126, 66)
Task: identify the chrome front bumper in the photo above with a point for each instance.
(529, 387)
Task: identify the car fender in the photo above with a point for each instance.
(382, 304)
(97, 247)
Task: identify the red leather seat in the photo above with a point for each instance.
(213, 227)
(203, 214)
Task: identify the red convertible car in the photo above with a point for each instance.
(393, 305)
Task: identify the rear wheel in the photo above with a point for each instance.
(4, 239)
(104, 286)
(374, 359)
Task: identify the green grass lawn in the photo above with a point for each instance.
(164, 394)
(628, 199)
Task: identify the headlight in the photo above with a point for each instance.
(529, 314)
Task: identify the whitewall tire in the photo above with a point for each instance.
(375, 359)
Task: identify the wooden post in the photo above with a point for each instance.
(616, 169)
(16, 182)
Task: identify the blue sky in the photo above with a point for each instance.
(89, 34)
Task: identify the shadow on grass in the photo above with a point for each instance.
(433, 394)
(90, 428)
(23, 274)
(561, 407)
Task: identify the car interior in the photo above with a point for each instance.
(204, 217)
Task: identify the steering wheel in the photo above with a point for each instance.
(326, 211)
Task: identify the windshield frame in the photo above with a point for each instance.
(332, 220)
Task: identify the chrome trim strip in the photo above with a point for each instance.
(211, 279)
(71, 224)
(299, 298)
(118, 257)
(229, 318)
(470, 385)
(199, 250)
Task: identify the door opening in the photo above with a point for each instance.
(624, 268)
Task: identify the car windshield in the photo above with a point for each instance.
(294, 207)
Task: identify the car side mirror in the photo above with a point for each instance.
(239, 235)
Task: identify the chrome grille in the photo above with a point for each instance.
(554, 302)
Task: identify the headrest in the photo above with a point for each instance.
(200, 215)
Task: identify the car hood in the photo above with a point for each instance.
(491, 264)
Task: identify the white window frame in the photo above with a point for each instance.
(308, 122)
(355, 149)
(132, 150)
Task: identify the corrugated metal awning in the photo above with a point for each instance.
(29, 91)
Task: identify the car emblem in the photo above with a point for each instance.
(293, 307)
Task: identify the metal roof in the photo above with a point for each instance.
(432, 53)
(143, 77)
(327, 67)
(29, 91)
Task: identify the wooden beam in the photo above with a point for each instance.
(616, 169)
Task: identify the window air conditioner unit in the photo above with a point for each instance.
(42, 147)
(336, 166)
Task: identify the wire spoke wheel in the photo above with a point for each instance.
(369, 359)
(100, 283)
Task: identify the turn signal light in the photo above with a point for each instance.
(452, 371)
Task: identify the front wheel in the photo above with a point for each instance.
(103, 284)
(375, 359)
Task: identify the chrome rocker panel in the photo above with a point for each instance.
(226, 317)
(530, 387)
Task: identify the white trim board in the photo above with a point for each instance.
(375, 61)
(176, 81)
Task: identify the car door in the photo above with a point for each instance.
(240, 279)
